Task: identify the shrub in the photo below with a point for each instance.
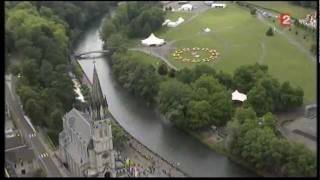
(269, 32)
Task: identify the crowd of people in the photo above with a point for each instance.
(310, 20)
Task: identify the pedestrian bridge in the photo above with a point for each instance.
(84, 55)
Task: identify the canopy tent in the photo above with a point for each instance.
(236, 95)
(216, 5)
(152, 40)
(170, 23)
(186, 7)
(207, 30)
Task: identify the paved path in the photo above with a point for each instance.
(26, 130)
(161, 52)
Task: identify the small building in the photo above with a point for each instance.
(216, 5)
(19, 158)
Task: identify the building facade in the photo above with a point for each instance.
(85, 144)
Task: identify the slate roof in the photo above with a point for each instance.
(24, 154)
(80, 124)
(12, 142)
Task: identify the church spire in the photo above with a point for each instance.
(96, 88)
(97, 100)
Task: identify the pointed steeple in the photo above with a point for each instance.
(96, 92)
(97, 100)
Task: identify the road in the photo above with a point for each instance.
(18, 117)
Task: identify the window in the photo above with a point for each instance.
(101, 133)
(15, 165)
(21, 163)
(23, 171)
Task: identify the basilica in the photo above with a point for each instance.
(85, 143)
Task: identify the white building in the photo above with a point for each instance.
(19, 158)
(85, 144)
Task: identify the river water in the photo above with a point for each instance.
(149, 127)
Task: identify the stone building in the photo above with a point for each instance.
(20, 160)
(85, 143)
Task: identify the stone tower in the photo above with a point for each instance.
(100, 148)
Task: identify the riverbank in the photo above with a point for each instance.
(219, 148)
(151, 155)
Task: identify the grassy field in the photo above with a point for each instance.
(285, 7)
(240, 39)
(145, 58)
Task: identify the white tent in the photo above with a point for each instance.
(236, 95)
(152, 40)
(170, 23)
(186, 7)
(216, 5)
(166, 22)
(207, 30)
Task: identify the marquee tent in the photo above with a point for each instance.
(186, 7)
(216, 5)
(152, 40)
(236, 95)
(207, 30)
(170, 23)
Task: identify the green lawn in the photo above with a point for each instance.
(240, 39)
(285, 7)
(310, 36)
(145, 58)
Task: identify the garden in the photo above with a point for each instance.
(195, 54)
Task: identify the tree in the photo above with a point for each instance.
(107, 29)
(46, 72)
(198, 114)
(243, 114)
(56, 120)
(185, 75)
(163, 69)
(260, 101)
(35, 112)
(253, 11)
(270, 121)
(245, 77)
(269, 32)
(118, 135)
(225, 79)
(146, 29)
(172, 73)
(116, 42)
(290, 97)
(173, 99)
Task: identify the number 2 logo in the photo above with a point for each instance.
(285, 19)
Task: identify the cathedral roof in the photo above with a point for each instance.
(80, 124)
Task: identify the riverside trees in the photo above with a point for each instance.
(259, 145)
(40, 33)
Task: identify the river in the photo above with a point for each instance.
(149, 126)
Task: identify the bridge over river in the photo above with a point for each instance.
(84, 55)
